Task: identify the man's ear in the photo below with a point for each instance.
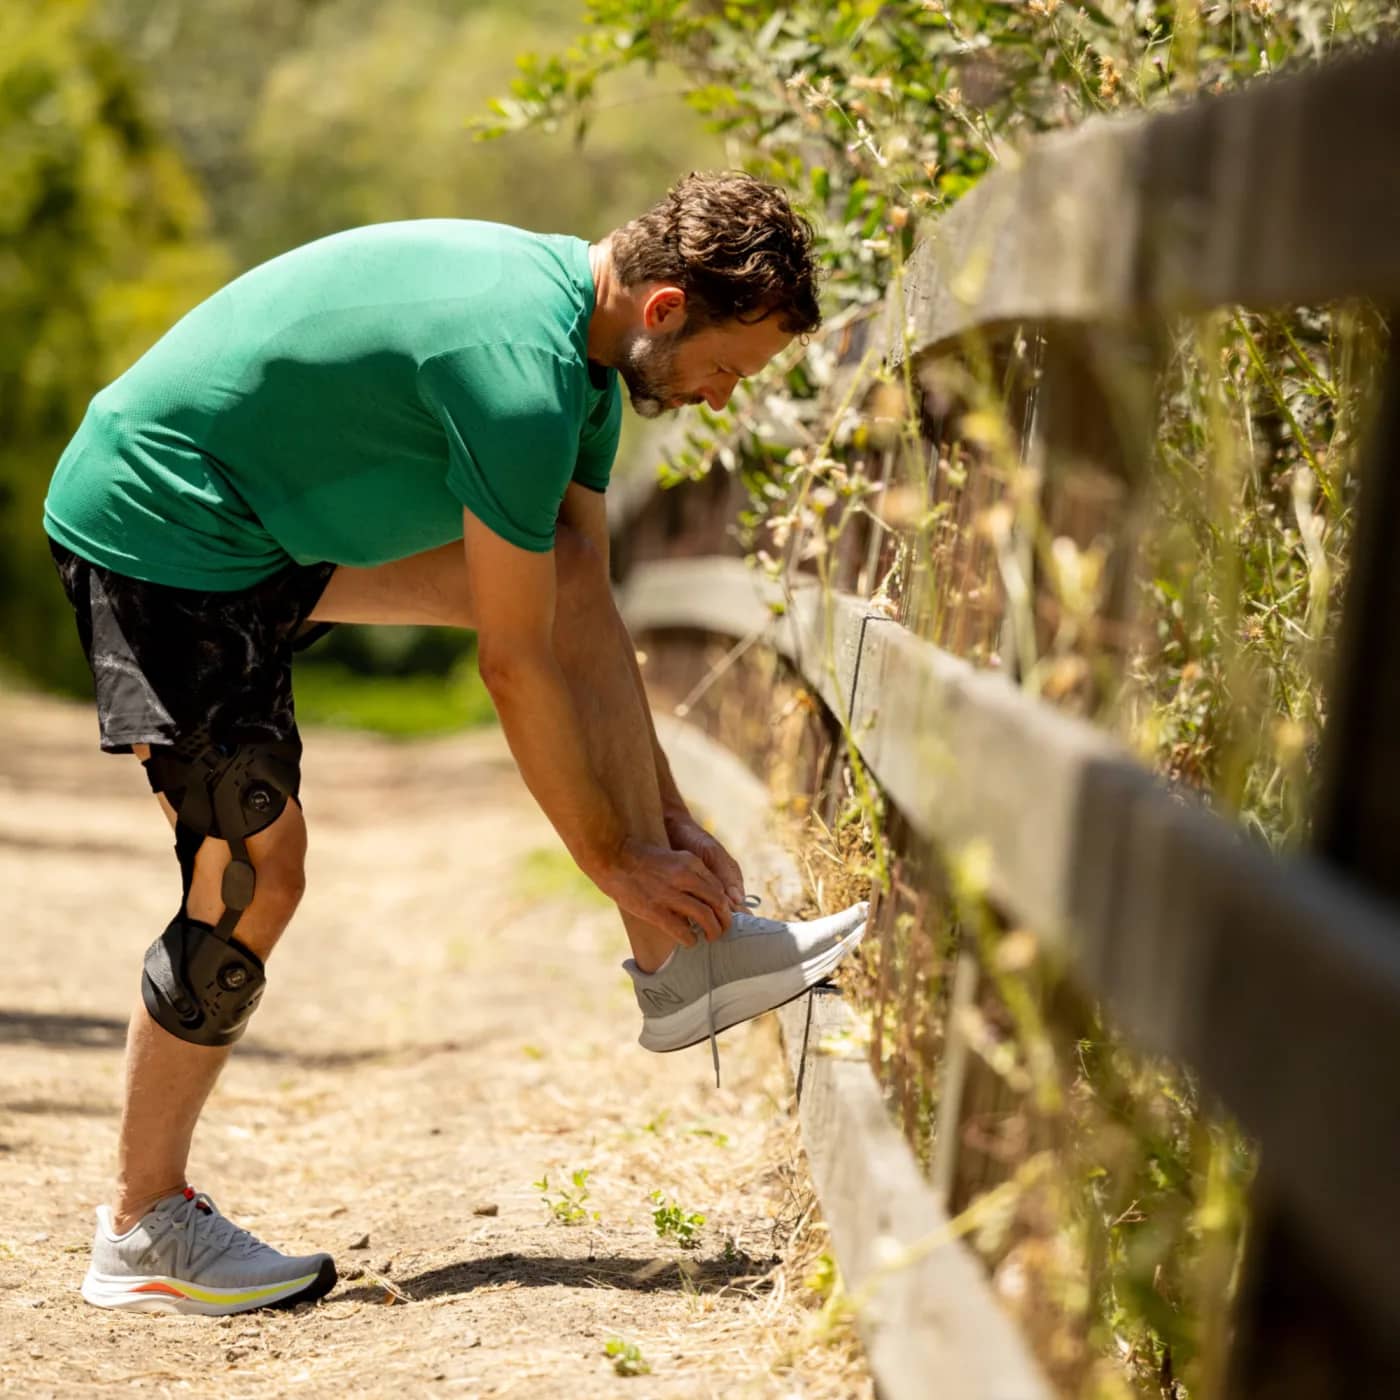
(664, 309)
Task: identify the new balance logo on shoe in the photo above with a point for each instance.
(663, 996)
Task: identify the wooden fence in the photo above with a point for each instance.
(1276, 982)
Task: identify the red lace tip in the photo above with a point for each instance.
(189, 1193)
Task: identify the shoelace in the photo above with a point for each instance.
(217, 1234)
(752, 901)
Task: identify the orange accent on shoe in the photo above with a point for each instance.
(158, 1288)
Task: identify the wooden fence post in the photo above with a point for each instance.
(947, 1135)
(1301, 1332)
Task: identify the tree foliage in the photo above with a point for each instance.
(875, 110)
(103, 242)
(304, 118)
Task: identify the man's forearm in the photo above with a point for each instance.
(541, 726)
(673, 805)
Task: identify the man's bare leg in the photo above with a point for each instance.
(167, 1079)
(593, 651)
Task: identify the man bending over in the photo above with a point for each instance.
(407, 423)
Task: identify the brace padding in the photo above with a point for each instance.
(201, 988)
(230, 790)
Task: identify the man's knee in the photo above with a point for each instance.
(278, 854)
(240, 840)
(281, 885)
(278, 858)
(204, 988)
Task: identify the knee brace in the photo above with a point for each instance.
(199, 987)
(199, 982)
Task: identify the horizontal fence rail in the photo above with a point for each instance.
(1283, 194)
(1275, 980)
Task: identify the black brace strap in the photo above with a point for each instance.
(226, 789)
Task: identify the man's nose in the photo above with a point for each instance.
(717, 395)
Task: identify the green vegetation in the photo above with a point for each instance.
(549, 873)
(408, 706)
(825, 1278)
(104, 240)
(626, 1357)
(569, 1207)
(674, 1222)
(1118, 1239)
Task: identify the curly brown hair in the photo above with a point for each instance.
(732, 244)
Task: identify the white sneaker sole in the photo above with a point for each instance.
(157, 1293)
(743, 1000)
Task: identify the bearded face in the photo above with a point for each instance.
(648, 368)
(699, 362)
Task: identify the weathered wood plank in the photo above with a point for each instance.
(729, 599)
(1205, 947)
(954, 748)
(1032, 242)
(1295, 1337)
(1285, 193)
(926, 1312)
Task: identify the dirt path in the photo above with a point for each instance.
(445, 1025)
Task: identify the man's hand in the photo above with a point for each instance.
(686, 834)
(672, 890)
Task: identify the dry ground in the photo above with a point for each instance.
(445, 1024)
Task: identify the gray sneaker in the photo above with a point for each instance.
(182, 1256)
(758, 964)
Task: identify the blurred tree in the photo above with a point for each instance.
(302, 117)
(103, 243)
(387, 137)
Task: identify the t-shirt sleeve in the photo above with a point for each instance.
(512, 435)
(598, 442)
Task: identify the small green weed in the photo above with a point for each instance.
(673, 1222)
(824, 1279)
(627, 1358)
(718, 1138)
(568, 1207)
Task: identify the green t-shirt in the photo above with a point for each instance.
(343, 402)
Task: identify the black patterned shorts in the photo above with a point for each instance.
(169, 661)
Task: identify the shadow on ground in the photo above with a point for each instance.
(58, 1028)
(81, 1032)
(640, 1274)
(60, 1108)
